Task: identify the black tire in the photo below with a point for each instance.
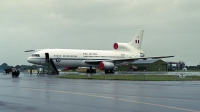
(93, 70)
(113, 71)
(106, 71)
(89, 71)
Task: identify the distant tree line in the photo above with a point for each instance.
(197, 68)
(21, 67)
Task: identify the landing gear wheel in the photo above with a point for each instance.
(106, 71)
(91, 71)
(113, 71)
(109, 71)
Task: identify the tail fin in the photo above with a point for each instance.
(137, 40)
(132, 46)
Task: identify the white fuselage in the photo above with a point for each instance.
(78, 58)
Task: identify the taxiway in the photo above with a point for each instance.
(50, 94)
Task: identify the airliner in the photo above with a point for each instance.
(103, 59)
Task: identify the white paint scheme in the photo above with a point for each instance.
(125, 52)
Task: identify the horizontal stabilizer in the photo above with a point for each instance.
(33, 50)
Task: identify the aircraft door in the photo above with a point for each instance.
(47, 57)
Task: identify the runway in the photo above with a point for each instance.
(50, 94)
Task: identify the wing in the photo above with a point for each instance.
(144, 58)
(124, 60)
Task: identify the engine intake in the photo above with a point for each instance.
(142, 54)
(122, 46)
(106, 66)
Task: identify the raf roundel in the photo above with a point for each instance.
(58, 60)
(115, 46)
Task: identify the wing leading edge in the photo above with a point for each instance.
(124, 60)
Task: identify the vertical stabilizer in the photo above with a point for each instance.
(134, 45)
(137, 40)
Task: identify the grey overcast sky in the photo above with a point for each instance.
(171, 27)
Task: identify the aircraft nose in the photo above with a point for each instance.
(30, 60)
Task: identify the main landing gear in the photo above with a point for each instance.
(91, 70)
(109, 71)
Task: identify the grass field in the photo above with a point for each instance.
(133, 77)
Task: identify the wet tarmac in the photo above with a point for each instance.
(50, 94)
(143, 73)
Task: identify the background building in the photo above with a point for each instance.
(172, 66)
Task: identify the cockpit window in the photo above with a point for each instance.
(35, 55)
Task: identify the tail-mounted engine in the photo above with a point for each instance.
(123, 46)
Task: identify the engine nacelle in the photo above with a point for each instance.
(122, 46)
(106, 66)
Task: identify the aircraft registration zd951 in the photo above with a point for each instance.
(102, 59)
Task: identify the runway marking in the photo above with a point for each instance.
(106, 97)
(147, 97)
(111, 98)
